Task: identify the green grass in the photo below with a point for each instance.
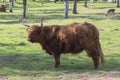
(21, 60)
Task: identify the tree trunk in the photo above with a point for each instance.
(4, 1)
(13, 2)
(93, 1)
(55, 1)
(10, 5)
(85, 3)
(74, 10)
(66, 3)
(118, 3)
(24, 8)
(42, 2)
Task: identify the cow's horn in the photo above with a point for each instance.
(42, 21)
(26, 25)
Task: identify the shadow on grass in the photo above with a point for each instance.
(48, 11)
(10, 22)
(42, 63)
(9, 16)
(11, 19)
(93, 16)
(101, 7)
(13, 44)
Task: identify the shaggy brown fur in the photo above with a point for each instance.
(2, 8)
(71, 38)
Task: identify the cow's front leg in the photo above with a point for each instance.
(57, 60)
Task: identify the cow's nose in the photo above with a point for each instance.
(30, 40)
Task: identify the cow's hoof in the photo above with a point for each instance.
(95, 68)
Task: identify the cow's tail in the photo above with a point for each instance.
(100, 52)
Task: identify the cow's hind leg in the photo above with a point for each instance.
(95, 57)
(57, 60)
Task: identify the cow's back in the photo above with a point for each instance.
(77, 36)
(71, 38)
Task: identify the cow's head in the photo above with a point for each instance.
(34, 31)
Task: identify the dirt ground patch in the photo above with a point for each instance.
(112, 75)
(2, 77)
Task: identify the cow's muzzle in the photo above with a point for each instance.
(30, 40)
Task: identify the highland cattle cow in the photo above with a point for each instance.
(2, 8)
(72, 38)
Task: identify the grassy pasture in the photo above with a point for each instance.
(21, 60)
